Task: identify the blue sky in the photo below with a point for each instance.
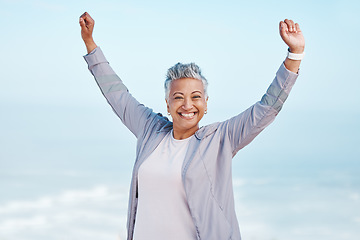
(66, 160)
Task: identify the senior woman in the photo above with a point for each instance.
(181, 184)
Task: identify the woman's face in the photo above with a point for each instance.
(187, 105)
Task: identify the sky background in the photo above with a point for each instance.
(66, 159)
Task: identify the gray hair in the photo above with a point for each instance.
(179, 70)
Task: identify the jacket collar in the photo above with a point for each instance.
(205, 131)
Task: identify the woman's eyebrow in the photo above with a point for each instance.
(177, 93)
(197, 91)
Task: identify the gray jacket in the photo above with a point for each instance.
(206, 171)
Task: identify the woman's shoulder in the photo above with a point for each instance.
(207, 130)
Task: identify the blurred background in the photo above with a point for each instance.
(66, 159)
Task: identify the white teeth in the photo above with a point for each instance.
(187, 114)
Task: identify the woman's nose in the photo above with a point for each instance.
(187, 104)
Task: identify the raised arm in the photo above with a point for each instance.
(243, 128)
(87, 27)
(134, 115)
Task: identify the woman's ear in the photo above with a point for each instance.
(167, 106)
(207, 98)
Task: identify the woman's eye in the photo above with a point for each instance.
(178, 97)
(196, 96)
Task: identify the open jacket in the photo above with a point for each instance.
(206, 171)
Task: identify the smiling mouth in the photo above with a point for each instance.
(187, 115)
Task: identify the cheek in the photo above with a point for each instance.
(203, 106)
(172, 106)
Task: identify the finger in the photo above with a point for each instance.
(291, 25)
(293, 28)
(82, 19)
(88, 19)
(83, 15)
(297, 27)
(283, 29)
(283, 26)
(288, 23)
(82, 23)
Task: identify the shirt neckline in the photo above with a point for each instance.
(179, 140)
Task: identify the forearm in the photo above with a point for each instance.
(292, 65)
(90, 45)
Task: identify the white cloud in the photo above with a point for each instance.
(72, 196)
(269, 209)
(238, 182)
(21, 206)
(96, 213)
(354, 196)
(22, 223)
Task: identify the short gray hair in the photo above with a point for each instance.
(180, 70)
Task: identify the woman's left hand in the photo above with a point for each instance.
(291, 34)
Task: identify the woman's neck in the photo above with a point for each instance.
(183, 134)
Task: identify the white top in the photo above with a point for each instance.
(163, 212)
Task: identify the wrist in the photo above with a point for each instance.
(295, 56)
(297, 50)
(88, 41)
(90, 45)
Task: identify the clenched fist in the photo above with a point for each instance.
(291, 34)
(87, 27)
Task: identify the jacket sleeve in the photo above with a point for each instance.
(134, 115)
(243, 128)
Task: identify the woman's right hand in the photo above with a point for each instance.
(87, 27)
